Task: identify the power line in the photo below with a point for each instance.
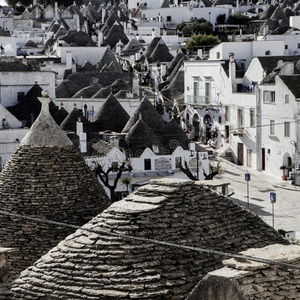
(153, 241)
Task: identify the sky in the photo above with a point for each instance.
(2, 2)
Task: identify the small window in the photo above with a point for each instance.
(218, 55)
(252, 117)
(147, 164)
(286, 99)
(220, 120)
(269, 97)
(169, 18)
(286, 129)
(268, 52)
(269, 151)
(177, 162)
(298, 45)
(114, 166)
(272, 96)
(272, 127)
(286, 47)
(240, 118)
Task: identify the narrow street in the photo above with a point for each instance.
(287, 206)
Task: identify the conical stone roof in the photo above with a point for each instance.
(69, 123)
(175, 136)
(140, 137)
(91, 265)
(47, 178)
(111, 115)
(88, 91)
(178, 57)
(149, 115)
(161, 53)
(151, 47)
(106, 59)
(115, 34)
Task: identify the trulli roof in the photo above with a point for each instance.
(46, 178)
(91, 265)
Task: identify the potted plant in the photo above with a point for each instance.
(285, 172)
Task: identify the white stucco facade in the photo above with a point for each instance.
(11, 83)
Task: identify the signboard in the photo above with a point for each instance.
(295, 156)
(273, 197)
(163, 163)
(247, 177)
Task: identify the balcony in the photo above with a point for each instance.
(201, 101)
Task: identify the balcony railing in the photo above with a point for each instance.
(201, 100)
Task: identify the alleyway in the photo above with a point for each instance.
(287, 206)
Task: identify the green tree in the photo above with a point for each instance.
(201, 40)
(238, 20)
(195, 26)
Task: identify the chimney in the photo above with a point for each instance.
(79, 127)
(55, 10)
(82, 142)
(68, 60)
(163, 69)
(153, 33)
(100, 38)
(103, 15)
(77, 22)
(232, 71)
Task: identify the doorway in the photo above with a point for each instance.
(240, 154)
(263, 159)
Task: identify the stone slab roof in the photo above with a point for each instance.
(91, 265)
(245, 279)
(46, 177)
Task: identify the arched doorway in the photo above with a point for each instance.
(207, 128)
(196, 126)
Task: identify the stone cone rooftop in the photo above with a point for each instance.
(111, 115)
(149, 116)
(46, 177)
(89, 265)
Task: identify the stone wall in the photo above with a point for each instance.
(51, 183)
(94, 266)
(243, 280)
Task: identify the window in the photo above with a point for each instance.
(218, 55)
(286, 47)
(287, 129)
(272, 127)
(252, 117)
(286, 99)
(298, 45)
(220, 120)
(147, 164)
(268, 52)
(169, 18)
(240, 118)
(226, 113)
(114, 166)
(207, 92)
(269, 97)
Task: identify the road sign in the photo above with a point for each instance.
(247, 177)
(273, 197)
(295, 156)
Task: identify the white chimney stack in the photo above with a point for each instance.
(68, 60)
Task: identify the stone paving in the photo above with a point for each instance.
(287, 206)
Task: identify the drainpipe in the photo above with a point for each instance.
(258, 129)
